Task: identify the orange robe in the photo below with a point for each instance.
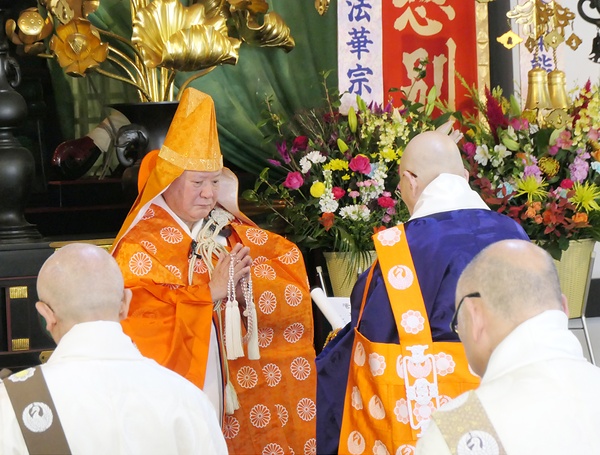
(170, 321)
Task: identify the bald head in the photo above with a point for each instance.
(425, 157)
(80, 283)
(516, 280)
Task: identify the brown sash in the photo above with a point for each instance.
(36, 413)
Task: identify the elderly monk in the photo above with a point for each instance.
(407, 297)
(538, 393)
(109, 398)
(217, 299)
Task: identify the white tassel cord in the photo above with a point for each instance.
(233, 321)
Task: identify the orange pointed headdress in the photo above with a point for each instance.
(191, 144)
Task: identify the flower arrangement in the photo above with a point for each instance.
(333, 181)
(167, 37)
(541, 169)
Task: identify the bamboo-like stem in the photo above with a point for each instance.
(143, 92)
(193, 77)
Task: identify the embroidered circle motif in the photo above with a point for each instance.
(412, 321)
(484, 442)
(400, 367)
(291, 257)
(379, 448)
(272, 374)
(282, 413)
(149, 246)
(260, 416)
(406, 449)
(293, 295)
(257, 236)
(265, 271)
(247, 377)
(401, 411)
(140, 264)
(267, 302)
(265, 337)
(444, 364)
(356, 443)
(359, 354)
(200, 266)
(376, 364)
(293, 332)
(273, 449)
(389, 237)
(171, 235)
(423, 411)
(37, 417)
(401, 277)
(231, 427)
(306, 409)
(22, 375)
(310, 447)
(174, 270)
(376, 408)
(259, 260)
(300, 368)
(356, 399)
(149, 214)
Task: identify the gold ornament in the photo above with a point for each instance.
(553, 39)
(537, 90)
(573, 41)
(322, 6)
(557, 87)
(510, 39)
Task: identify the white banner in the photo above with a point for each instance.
(360, 50)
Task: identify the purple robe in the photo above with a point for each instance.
(441, 246)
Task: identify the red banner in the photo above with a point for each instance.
(441, 31)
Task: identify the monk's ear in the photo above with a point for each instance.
(48, 315)
(477, 319)
(125, 301)
(413, 183)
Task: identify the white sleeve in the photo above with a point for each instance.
(432, 442)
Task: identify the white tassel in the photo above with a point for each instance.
(253, 351)
(231, 400)
(233, 331)
(233, 320)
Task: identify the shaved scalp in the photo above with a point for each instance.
(81, 283)
(516, 279)
(430, 154)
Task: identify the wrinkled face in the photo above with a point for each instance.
(193, 195)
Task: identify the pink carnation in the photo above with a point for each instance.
(300, 144)
(566, 184)
(469, 148)
(360, 163)
(293, 181)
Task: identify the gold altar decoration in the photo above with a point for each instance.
(167, 37)
(543, 23)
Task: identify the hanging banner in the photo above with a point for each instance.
(450, 34)
(360, 70)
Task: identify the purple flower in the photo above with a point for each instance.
(579, 169)
(283, 151)
(274, 162)
(534, 170)
(553, 150)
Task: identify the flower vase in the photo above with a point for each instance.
(343, 271)
(574, 273)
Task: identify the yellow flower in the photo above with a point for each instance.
(532, 188)
(336, 165)
(549, 166)
(345, 177)
(389, 154)
(317, 189)
(78, 47)
(585, 196)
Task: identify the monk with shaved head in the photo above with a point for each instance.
(538, 393)
(402, 309)
(101, 395)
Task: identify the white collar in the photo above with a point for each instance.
(445, 193)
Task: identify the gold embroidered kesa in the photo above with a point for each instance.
(166, 37)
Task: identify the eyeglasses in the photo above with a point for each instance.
(454, 322)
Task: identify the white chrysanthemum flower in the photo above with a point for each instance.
(355, 212)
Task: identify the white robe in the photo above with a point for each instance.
(540, 393)
(112, 400)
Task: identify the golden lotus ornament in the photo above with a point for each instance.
(78, 47)
(167, 37)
